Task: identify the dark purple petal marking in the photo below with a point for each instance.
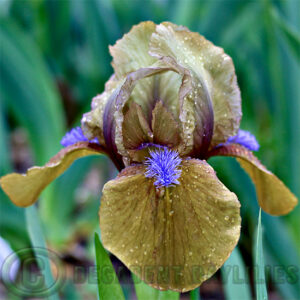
(75, 135)
(163, 166)
(244, 138)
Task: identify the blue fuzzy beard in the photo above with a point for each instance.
(163, 166)
(75, 135)
(244, 138)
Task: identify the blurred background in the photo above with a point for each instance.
(54, 58)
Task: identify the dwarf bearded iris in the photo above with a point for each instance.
(172, 103)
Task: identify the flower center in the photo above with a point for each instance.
(163, 166)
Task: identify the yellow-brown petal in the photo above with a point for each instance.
(173, 239)
(24, 189)
(273, 196)
(211, 65)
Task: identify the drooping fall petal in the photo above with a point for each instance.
(211, 66)
(174, 238)
(273, 196)
(24, 189)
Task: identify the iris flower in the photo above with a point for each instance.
(172, 103)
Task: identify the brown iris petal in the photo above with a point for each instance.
(175, 238)
(273, 196)
(24, 189)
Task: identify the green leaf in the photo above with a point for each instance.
(40, 250)
(12, 221)
(142, 290)
(183, 11)
(236, 28)
(29, 91)
(260, 279)
(108, 283)
(168, 295)
(195, 294)
(291, 36)
(145, 292)
(235, 277)
(282, 253)
(30, 94)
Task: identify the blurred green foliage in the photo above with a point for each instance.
(54, 58)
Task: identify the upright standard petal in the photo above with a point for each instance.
(92, 122)
(173, 238)
(166, 130)
(119, 100)
(116, 107)
(135, 129)
(196, 117)
(130, 54)
(24, 189)
(211, 66)
(273, 196)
